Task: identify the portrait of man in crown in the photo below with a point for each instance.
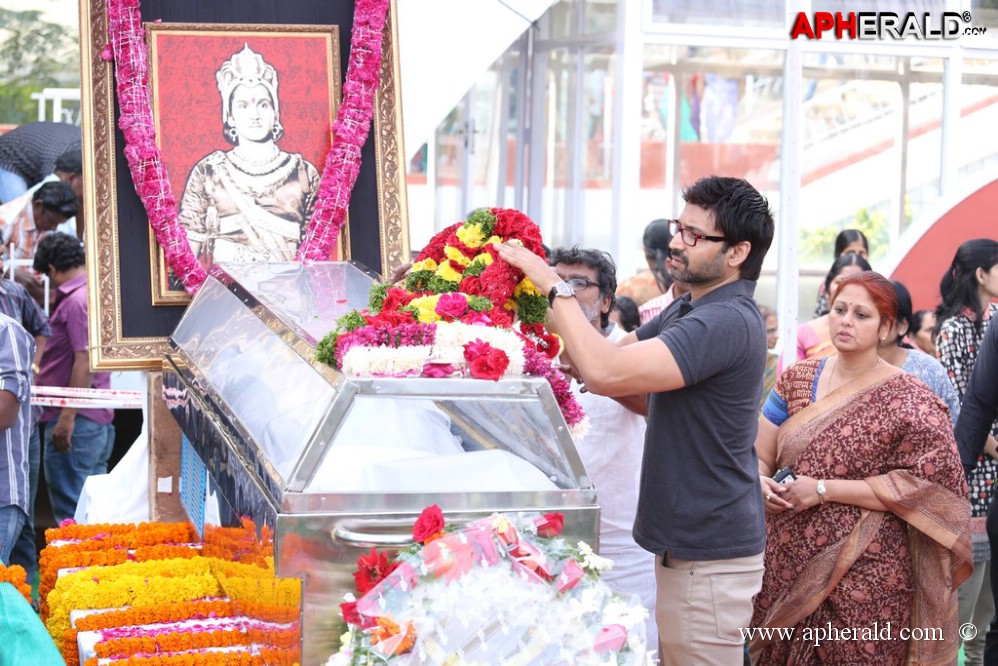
(242, 149)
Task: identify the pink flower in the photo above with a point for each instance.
(475, 318)
(451, 306)
(611, 638)
(439, 370)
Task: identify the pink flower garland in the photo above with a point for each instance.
(539, 365)
(146, 162)
(353, 122)
(144, 159)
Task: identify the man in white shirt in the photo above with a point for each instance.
(612, 449)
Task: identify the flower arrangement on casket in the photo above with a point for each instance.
(460, 312)
(502, 589)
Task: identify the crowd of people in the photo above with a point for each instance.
(44, 328)
(828, 495)
(849, 490)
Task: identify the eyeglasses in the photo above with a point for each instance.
(690, 237)
(580, 283)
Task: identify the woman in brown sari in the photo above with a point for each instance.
(872, 538)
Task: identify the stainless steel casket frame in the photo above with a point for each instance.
(281, 432)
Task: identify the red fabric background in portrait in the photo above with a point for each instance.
(188, 106)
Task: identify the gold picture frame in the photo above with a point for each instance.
(183, 57)
(129, 332)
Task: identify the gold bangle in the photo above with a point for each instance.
(35, 369)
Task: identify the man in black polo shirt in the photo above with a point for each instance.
(701, 360)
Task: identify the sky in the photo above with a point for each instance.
(66, 12)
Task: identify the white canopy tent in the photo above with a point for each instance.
(444, 46)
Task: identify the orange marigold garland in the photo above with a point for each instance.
(142, 534)
(57, 559)
(159, 573)
(182, 641)
(16, 576)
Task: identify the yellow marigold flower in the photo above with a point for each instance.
(426, 306)
(447, 272)
(493, 239)
(471, 235)
(484, 258)
(510, 304)
(427, 264)
(456, 255)
(526, 287)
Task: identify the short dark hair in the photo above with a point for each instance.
(847, 237)
(904, 310)
(741, 213)
(59, 250)
(851, 259)
(606, 271)
(57, 197)
(655, 240)
(630, 317)
(70, 161)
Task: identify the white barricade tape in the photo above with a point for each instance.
(86, 398)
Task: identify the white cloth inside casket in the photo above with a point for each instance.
(404, 446)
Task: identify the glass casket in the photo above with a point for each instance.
(336, 465)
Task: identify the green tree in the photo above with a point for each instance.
(36, 54)
(818, 244)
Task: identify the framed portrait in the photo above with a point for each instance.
(241, 199)
(304, 45)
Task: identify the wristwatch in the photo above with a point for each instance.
(821, 491)
(560, 289)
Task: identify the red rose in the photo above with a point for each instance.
(501, 317)
(491, 365)
(472, 286)
(390, 318)
(429, 525)
(550, 524)
(395, 298)
(434, 249)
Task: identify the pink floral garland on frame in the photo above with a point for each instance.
(131, 64)
(145, 160)
(353, 123)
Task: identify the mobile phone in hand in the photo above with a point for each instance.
(785, 475)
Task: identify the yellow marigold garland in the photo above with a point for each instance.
(128, 584)
(55, 559)
(243, 582)
(160, 573)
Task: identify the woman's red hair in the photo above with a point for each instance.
(881, 292)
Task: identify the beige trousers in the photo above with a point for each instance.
(702, 607)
